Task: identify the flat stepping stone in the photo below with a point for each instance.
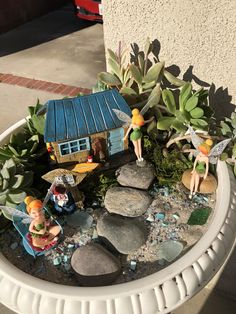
(80, 219)
(125, 234)
(127, 202)
(132, 175)
(95, 266)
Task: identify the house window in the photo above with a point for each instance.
(74, 146)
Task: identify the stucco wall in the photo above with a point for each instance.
(196, 33)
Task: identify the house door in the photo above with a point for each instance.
(115, 141)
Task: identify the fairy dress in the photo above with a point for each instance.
(200, 168)
(39, 227)
(136, 134)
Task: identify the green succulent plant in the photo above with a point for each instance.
(15, 183)
(192, 110)
(35, 123)
(21, 147)
(137, 79)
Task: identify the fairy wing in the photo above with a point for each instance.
(122, 116)
(146, 107)
(196, 140)
(219, 148)
(12, 212)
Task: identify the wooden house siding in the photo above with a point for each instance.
(82, 156)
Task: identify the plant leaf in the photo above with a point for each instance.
(112, 54)
(164, 123)
(197, 113)
(38, 123)
(127, 91)
(149, 85)
(180, 116)
(14, 151)
(136, 74)
(3, 198)
(178, 126)
(17, 197)
(199, 122)
(5, 173)
(172, 79)
(109, 79)
(141, 63)
(155, 96)
(28, 179)
(191, 103)
(115, 68)
(184, 95)
(153, 72)
(16, 181)
(169, 100)
(147, 47)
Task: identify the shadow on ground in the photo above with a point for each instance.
(41, 30)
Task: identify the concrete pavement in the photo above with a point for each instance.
(59, 48)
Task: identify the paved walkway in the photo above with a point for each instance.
(56, 88)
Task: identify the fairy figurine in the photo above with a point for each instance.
(204, 155)
(135, 123)
(42, 234)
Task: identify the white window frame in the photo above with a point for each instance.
(79, 144)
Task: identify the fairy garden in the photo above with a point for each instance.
(116, 185)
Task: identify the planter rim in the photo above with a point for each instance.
(150, 282)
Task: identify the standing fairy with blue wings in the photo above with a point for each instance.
(204, 154)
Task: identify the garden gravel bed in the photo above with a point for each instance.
(166, 221)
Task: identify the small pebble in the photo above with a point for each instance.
(14, 245)
(57, 261)
(160, 216)
(150, 218)
(133, 265)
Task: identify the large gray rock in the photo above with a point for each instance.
(95, 266)
(127, 201)
(125, 234)
(134, 176)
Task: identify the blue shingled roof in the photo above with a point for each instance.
(74, 118)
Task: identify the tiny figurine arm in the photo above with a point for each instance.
(127, 132)
(207, 168)
(149, 120)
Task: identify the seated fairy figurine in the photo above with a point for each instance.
(62, 199)
(204, 154)
(41, 230)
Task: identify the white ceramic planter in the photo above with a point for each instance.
(158, 293)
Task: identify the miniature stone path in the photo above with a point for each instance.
(122, 230)
(56, 88)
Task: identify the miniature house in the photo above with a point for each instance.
(73, 125)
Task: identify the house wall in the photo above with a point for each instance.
(75, 157)
(83, 156)
(17, 12)
(197, 36)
